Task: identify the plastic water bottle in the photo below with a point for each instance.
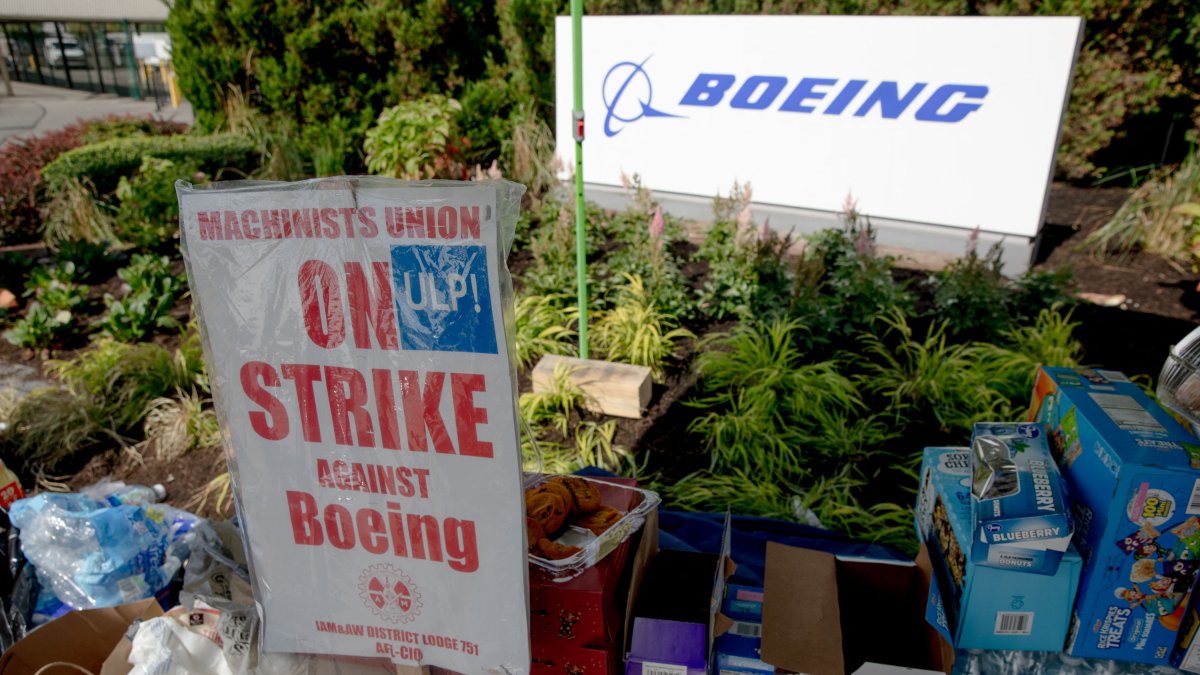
(93, 554)
(118, 493)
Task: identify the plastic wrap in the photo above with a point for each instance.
(358, 334)
(89, 553)
(1047, 663)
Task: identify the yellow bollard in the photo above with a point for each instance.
(173, 86)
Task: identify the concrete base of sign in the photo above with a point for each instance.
(924, 246)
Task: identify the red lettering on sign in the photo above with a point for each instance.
(467, 416)
(366, 309)
(271, 422)
(321, 304)
(348, 399)
(304, 376)
(421, 412)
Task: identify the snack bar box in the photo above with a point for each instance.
(973, 605)
(1020, 518)
(1131, 473)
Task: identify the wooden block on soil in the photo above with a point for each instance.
(615, 389)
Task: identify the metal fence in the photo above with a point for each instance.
(94, 56)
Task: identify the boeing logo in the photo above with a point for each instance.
(628, 92)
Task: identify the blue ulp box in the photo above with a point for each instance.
(975, 606)
(1020, 515)
(1135, 488)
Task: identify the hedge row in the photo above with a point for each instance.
(104, 163)
(327, 63)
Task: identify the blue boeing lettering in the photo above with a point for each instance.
(931, 111)
(771, 88)
(708, 89)
(627, 93)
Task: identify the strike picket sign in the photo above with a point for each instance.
(356, 339)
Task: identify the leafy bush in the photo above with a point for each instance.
(636, 332)
(153, 289)
(41, 327)
(747, 277)
(1157, 217)
(128, 126)
(105, 163)
(842, 288)
(22, 160)
(543, 327)
(148, 213)
(930, 379)
(327, 58)
(51, 317)
(106, 390)
(21, 163)
(971, 295)
(415, 140)
(122, 381)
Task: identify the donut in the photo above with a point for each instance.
(547, 509)
(599, 521)
(587, 497)
(555, 551)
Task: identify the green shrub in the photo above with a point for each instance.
(843, 289)
(147, 216)
(971, 296)
(51, 317)
(543, 327)
(415, 140)
(1157, 218)
(105, 163)
(636, 331)
(325, 59)
(153, 289)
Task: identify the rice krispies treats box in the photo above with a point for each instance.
(1019, 511)
(1131, 473)
(975, 606)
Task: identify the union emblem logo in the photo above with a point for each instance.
(389, 593)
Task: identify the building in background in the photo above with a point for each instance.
(115, 46)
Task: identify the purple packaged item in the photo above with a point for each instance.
(661, 647)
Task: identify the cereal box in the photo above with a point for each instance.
(973, 605)
(1019, 513)
(1130, 472)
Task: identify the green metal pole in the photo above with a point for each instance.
(580, 225)
(135, 87)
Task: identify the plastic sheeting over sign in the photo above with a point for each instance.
(358, 334)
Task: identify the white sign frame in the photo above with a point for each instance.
(990, 169)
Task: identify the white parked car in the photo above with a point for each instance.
(70, 48)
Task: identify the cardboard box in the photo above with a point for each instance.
(1186, 655)
(675, 618)
(814, 602)
(1130, 469)
(973, 605)
(84, 638)
(1019, 513)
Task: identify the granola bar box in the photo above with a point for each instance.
(1019, 510)
(1131, 471)
(973, 605)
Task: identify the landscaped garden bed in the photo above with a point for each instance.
(796, 380)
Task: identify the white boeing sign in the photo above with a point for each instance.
(930, 120)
